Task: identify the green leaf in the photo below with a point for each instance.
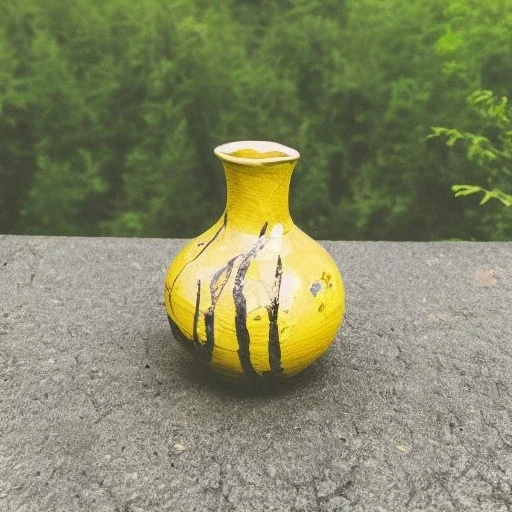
(488, 195)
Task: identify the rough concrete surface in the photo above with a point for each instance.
(101, 410)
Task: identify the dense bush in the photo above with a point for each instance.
(109, 111)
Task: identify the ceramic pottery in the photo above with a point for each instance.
(254, 297)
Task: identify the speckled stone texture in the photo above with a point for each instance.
(101, 410)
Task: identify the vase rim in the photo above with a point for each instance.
(260, 146)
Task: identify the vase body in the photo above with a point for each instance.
(254, 297)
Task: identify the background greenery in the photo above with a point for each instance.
(110, 109)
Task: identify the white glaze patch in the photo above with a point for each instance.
(277, 231)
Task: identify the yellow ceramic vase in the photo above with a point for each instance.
(254, 297)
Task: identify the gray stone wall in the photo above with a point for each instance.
(101, 410)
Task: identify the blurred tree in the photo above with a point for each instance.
(109, 111)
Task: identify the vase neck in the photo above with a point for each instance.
(257, 196)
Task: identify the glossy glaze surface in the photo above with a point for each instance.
(254, 296)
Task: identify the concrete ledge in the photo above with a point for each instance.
(100, 410)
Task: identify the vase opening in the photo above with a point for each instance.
(251, 153)
(256, 152)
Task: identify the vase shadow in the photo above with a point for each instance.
(177, 367)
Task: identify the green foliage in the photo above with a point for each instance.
(493, 156)
(466, 190)
(109, 111)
